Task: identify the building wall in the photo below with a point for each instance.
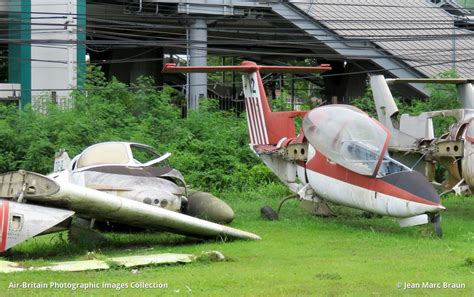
(46, 51)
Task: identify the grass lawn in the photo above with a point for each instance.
(299, 255)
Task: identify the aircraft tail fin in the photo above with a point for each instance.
(265, 126)
(20, 222)
(384, 102)
(61, 161)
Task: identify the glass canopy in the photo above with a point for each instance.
(347, 136)
(104, 153)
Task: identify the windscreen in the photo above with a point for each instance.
(104, 153)
(346, 136)
(470, 132)
(143, 154)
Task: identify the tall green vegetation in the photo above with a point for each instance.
(210, 147)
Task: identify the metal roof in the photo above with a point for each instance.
(417, 32)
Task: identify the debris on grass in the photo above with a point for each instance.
(7, 267)
(213, 256)
(83, 265)
(116, 262)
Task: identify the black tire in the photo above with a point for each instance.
(436, 221)
(438, 230)
(268, 213)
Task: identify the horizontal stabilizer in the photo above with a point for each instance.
(246, 66)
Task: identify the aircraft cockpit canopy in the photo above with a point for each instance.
(104, 153)
(120, 153)
(347, 136)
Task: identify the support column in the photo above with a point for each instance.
(60, 67)
(19, 51)
(197, 44)
(44, 68)
(81, 43)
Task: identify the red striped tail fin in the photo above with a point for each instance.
(257, 108)
(265, 126)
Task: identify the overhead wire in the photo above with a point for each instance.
(304, 77)
(276, 43)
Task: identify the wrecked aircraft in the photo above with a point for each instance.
(413, 139)
(339, 155)
(113, 182)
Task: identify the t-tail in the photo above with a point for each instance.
(265, 126)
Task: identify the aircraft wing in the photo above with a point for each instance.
(37, 188)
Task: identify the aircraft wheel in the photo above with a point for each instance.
(268, 213)
(436, 221)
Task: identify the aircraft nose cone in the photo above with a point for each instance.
(414, 183)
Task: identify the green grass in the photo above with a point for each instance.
(299, 255)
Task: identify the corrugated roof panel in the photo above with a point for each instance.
(414, 30)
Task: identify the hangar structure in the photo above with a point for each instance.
(48, 41)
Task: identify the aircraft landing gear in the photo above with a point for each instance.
(318, 208)
(436, 221)
(81, 233)
(268, 212)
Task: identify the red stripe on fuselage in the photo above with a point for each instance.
(4, 219)
(320, 165)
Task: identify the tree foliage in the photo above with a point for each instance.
(210, 147)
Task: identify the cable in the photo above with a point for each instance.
(270, 80)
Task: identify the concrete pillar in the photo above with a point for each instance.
(197, 43)
(466, 95)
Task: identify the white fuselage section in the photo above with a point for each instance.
(343, 193)
(347, 194)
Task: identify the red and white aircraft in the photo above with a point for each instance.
(339, 155)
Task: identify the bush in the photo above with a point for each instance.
(210, 147)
